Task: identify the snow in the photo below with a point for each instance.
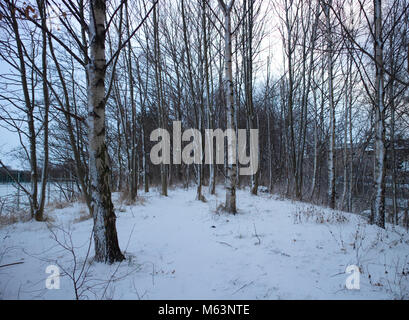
(180, 248)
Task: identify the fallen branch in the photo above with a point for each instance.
(226, 244)
(11, 264)
(246, 285)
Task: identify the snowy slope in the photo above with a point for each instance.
(179, 248)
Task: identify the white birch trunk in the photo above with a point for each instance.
(105, 235)
(331, 148)
(380, 151)
(231, 165)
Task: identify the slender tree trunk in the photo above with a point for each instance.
(39, 215)
(380, 151)
(159, 93)
(346, 154)
(331, 147)
(269, 143)
(133, 160)
(143, 93)
(29, 110)
(315, 161)
(248, 76)
(290, 138)
(194, 97)
(392, 106)
(231, 165)
(105, 235)
(209, 113)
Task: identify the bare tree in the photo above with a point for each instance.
(105, 235)
(231, 124)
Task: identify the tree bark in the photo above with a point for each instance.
(331, 150)
(39, 215)
(105, 234)
(231, 165)
(380, 149)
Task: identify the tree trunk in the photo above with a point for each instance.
(159, 93)
(133, 160)
(231, 163)
(209, 112)
(380, 151)
(105, 235)
(331, 151)
(39, 215)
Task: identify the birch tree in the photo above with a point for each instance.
(331, 147)
(159, 93)
(231, 124)
(105, 235)
(380, 149)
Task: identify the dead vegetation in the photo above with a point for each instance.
(310, 213)
(10, 215)
(84, 216)
(126, 200)
(59, 205)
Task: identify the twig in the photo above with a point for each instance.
(226, 244)
(246, 285)
(11, 264)
(255, 233)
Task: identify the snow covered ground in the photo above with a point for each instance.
(179, 248)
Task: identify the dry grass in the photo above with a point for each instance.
(58, 205)
(13, 217)
(125, 199)
(6, 220)
(221, 208)
(84, 216)
(318, 215)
